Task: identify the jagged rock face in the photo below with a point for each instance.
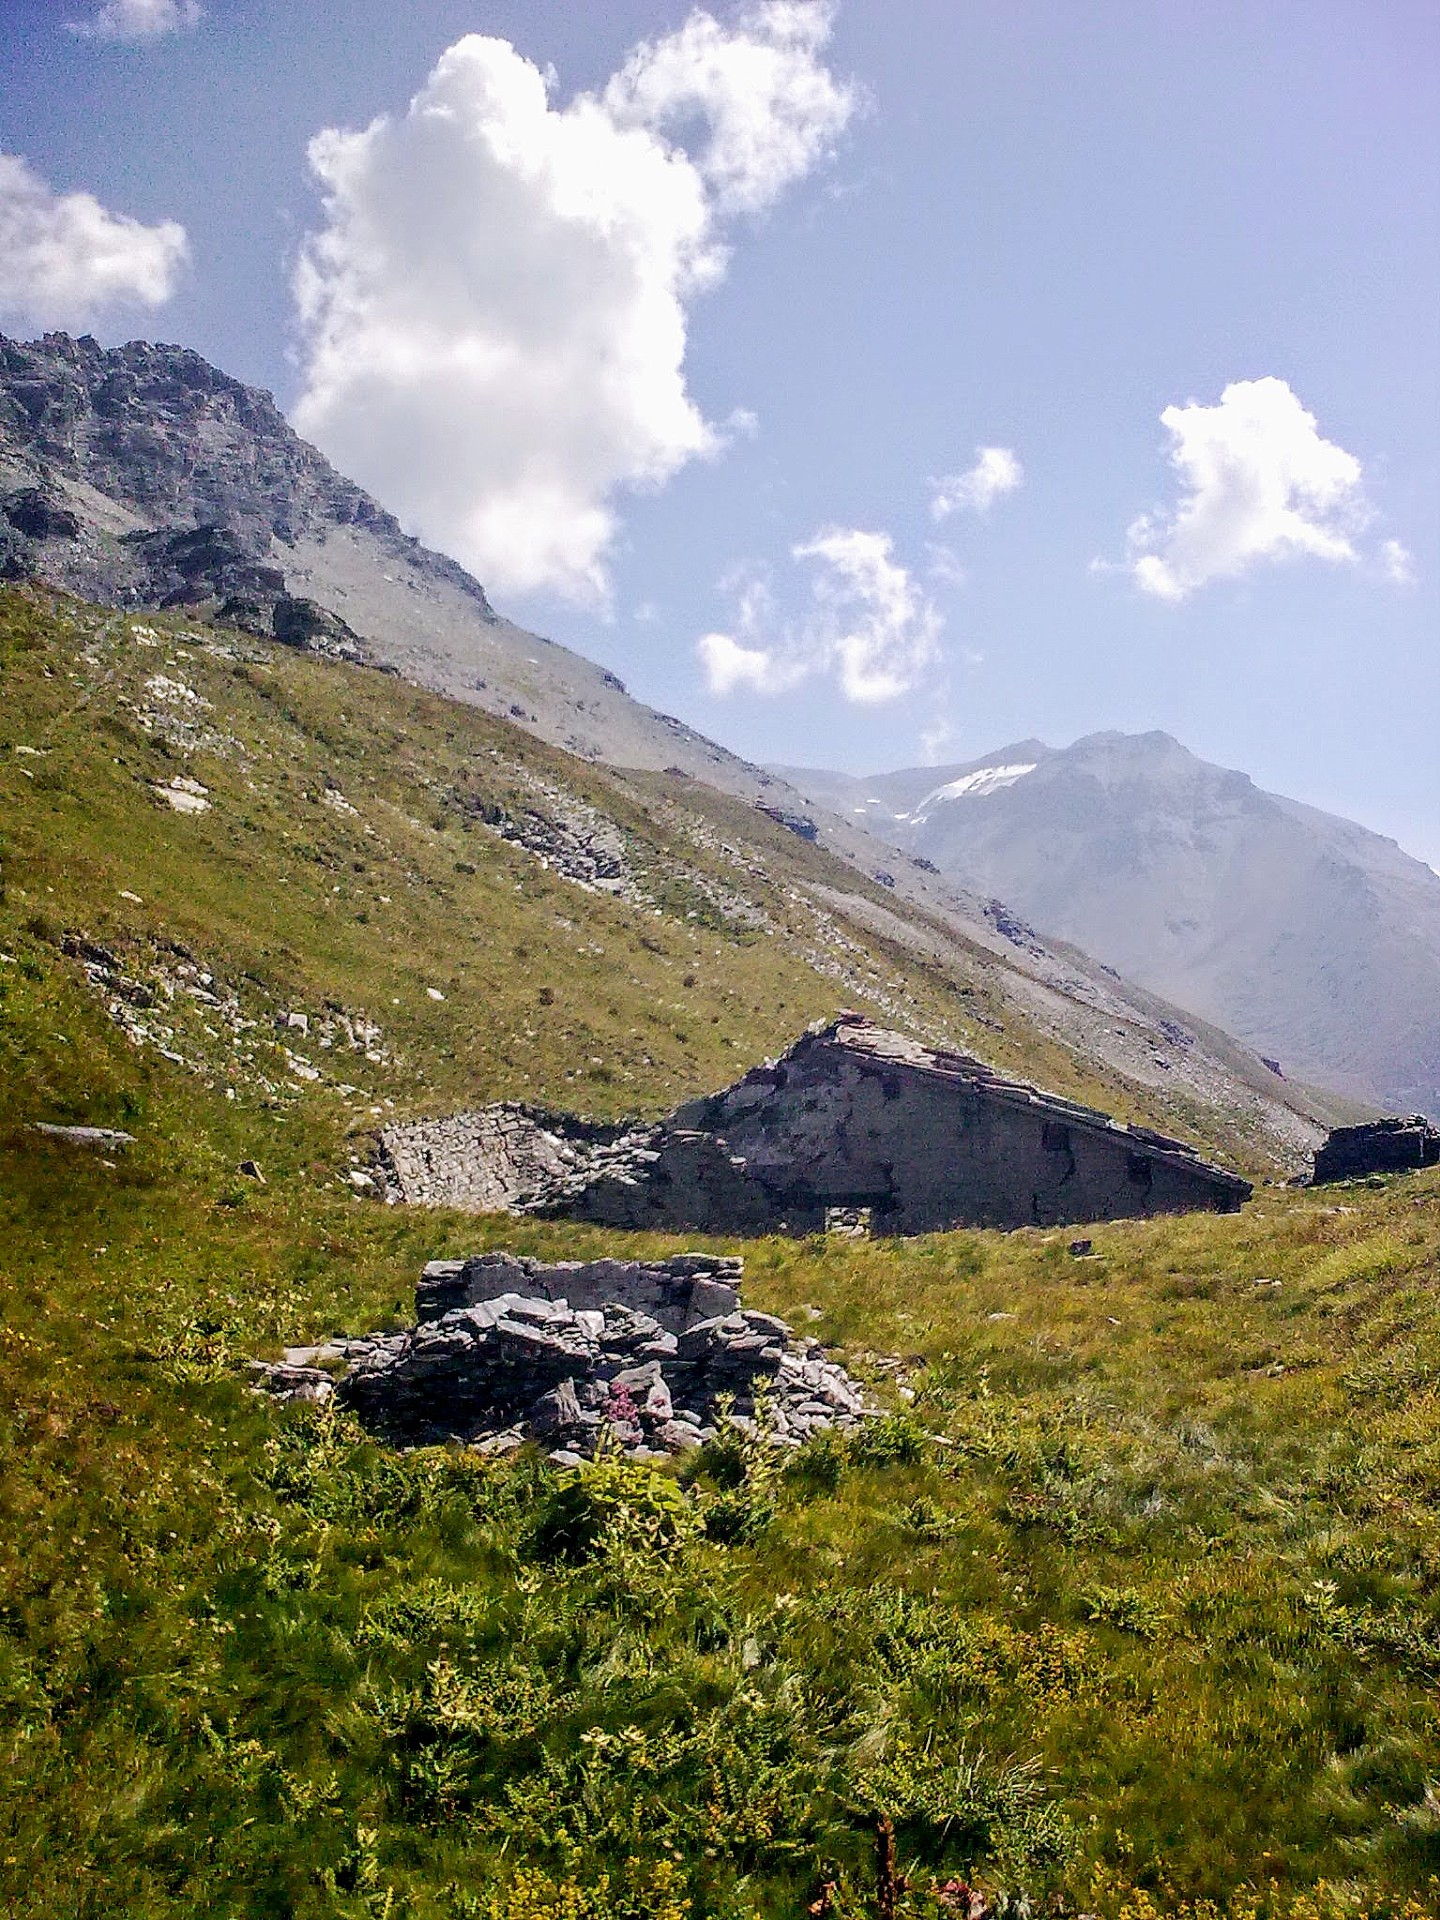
(1395, 1145)
(129, 420)
(853, 1120)
(646, 1356)
(180, 485)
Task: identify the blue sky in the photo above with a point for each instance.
(853, 252)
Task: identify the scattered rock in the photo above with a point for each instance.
(185, 795)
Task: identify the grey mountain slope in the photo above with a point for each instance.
(1309, 937)
(113, 459)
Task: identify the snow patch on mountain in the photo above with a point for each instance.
(969, 785)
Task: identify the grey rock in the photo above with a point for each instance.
(513, 1366)
(556, 1412)
(111, 1139)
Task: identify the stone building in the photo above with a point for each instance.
(855, 1125)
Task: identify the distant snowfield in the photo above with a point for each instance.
(969, 786)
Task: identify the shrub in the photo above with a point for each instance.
(612, 1502)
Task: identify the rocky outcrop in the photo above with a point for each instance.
(1394, 1145)
(854, 1122)
(646, 1357)
(143, 474)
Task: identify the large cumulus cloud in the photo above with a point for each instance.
(494, 312)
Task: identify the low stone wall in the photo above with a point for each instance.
(675, 1293)
(488, 1161)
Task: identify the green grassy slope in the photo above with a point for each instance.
(1134, 1608)
(344, 870)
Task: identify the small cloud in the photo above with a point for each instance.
(874, 626)
(944, 566)
(139, 20)
(730, 666)
(869, 626)
(996, 472)
(937, 741)
(65, 258)
(1258, 482)
(1397, 563)
(732, 661)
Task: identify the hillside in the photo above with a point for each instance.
(1128, 1606)
(143, 476)
(334, 844)
(1312, 939)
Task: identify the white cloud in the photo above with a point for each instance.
(64, 257)
(742, 659)
(878, 630)
(1397, 563)
(139, 19)
(770, 108)
(1259, 483)
(494, 314)
(938, 740)
(945, 566)
(869, 627)
(996, 472)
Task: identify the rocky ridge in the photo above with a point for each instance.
(650, 1358)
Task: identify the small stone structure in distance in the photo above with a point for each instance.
(854, 1121)
(1398, 1144)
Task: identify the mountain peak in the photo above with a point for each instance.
(1314, 940)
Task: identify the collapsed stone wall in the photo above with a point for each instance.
(1397, 1144)
(648, 1357)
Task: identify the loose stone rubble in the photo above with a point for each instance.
(646, 1357)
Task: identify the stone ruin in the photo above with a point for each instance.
(1398, 1144)
(855, 1122)
(647, 1357)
